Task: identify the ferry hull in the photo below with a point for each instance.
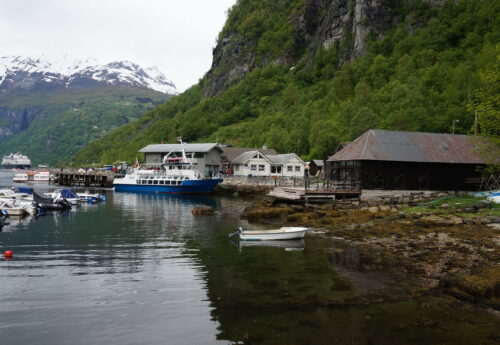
(15, 166)
(187, 187)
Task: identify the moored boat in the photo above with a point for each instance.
(18, 208)
(176, 175)
(283, 233)
(49, 204)
(16, 161)
(65, 194)
(32, 176)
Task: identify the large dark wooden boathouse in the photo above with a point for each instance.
(381, 159)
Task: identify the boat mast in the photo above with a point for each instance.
(184, 158)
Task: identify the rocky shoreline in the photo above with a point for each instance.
(447, 247)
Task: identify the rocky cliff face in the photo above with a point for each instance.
(16, 121)
(318, 23)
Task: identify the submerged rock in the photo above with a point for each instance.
(203, 210)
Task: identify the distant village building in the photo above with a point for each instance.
(256, 163)
(381, 159)
(316, 167)
(229, 153)
(207, 155)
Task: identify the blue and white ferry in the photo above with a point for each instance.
(176, 175)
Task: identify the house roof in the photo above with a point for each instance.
(281, 158)
(385, 145)
(165, 148)
(245, 157)
(318, 162)
(278, 159)
(231, 152)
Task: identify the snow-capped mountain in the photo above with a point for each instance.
(18, 72)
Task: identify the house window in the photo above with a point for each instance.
(289, 168)
(297, 168)
(262, 167)
(253, 167)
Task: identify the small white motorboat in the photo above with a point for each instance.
(284, 233)
(495, 197)
(17, 208)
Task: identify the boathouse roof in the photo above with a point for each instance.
(188, 147)
(383, 145)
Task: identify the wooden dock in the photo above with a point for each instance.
(88, 179)
(312, 196)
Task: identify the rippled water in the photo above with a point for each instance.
(141, 269)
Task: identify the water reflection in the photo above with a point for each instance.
(141, 268)
(284, 244)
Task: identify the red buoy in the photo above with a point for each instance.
(8, 254)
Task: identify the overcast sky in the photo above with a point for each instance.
(177, 36)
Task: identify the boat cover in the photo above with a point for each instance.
(68, 194)
(26, 190)
(42, 199)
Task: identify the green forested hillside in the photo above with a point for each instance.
(419, 76)
(68, 119)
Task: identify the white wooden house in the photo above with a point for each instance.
(256, 163)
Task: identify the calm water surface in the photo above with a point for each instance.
(141, 269)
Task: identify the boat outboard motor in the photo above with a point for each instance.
(240, 230)
(66, 205)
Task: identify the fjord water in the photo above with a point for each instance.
(141, 269)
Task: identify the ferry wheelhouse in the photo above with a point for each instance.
(176, 175)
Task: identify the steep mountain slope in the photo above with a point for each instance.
(51, 109)
(305, 75)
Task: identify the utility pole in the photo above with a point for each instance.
(453, 126)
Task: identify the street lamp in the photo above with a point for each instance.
(453, 126)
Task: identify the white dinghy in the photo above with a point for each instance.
(284, 233)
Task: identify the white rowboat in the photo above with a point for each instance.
(284, 233)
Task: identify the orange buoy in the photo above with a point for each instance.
(8, 254)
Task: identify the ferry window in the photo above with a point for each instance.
(144, 182)
(155, 182)
(289, 168)
(297, 168)
(262, 167)
(187, 178)
(138, 182)
(179, 182)
(150, 182)
(170, 167)
(253, 167)
(167, 182)
(162, 182)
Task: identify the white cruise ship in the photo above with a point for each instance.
(16, 161)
